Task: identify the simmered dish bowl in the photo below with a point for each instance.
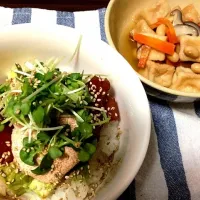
(71, 127)
(160, 39)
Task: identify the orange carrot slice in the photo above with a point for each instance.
(171, 34)
(160, 45)
(145, 50)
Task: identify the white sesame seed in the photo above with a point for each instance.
(66, 177)
(116, 114)
(103, 93)
(98, 99)
(96, 104)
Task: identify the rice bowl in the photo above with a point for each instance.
(129, 147)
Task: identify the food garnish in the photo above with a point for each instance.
(160, 45)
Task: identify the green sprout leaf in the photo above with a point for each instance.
(27, 156)
(48, 76)
(25, 108)
(86, 130)
(43, 137)
(55, 152)
(45, 165)
(90, 148)
(27, 143)
(38, 114)
(83, 156)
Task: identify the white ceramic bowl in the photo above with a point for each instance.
(119, 14)
(22, 42)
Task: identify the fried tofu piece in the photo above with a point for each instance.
(161, 74)
(185, 80)
(189, 13)
(189, 48)
(158, 10)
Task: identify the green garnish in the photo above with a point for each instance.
(45, 165)
(37, 100)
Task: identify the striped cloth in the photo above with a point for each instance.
(171, 169)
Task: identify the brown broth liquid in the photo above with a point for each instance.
(126, 47)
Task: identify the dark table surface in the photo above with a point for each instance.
(67, 5)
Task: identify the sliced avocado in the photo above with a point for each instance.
(41, 189)
(15, 182)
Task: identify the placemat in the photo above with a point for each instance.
(171, 169)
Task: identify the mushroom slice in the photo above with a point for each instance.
(177, 17)
(193, 25)
(182, 29)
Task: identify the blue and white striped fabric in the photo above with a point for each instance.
(171, 169)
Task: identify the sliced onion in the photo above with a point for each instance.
(182, 29)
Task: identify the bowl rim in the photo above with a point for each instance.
(147, 132)
(144, 80)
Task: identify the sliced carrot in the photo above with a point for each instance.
(155, 25)
(171, 34)
(145, 50)
(160, 45)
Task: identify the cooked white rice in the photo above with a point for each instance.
(77, 186)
